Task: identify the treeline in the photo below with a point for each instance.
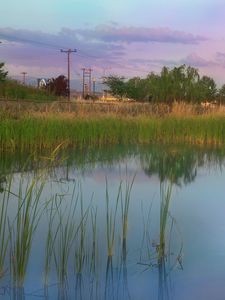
(182, 83)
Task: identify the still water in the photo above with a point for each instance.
(144, 222)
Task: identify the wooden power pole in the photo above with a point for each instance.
(69, 51)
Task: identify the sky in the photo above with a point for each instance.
(121, 37)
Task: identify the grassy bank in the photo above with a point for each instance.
(44, 131)
(13, 90)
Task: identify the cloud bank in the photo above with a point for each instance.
(111, 47)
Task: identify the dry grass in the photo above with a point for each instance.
(84, 109)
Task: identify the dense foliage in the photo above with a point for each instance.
(3, 74)
(182, 83)
(58, 86)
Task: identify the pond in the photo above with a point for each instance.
(138, 222)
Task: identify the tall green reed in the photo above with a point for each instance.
(165, 197)
(67, 230)
(50, 239)
(4, 234)
(125, 204)
(111, 219)
(65, 234)
(80, 251)
(94, 250)
(23, 228)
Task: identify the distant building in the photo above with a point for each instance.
(42, 82)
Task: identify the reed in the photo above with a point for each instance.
(4, 235)
(50, 239)
(165, 195)
(23, 228)
(94, 251)
(67, 230)
(80, 252)
(65, 234)
(111, 219)
(125, 203)
(33, 134)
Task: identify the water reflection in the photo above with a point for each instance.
(179, 164)
(92, 245)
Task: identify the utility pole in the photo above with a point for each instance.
(86, 74)
(69, 51)
(94, 81)
(24, 74)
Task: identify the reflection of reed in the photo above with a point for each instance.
(163, 276)
(63, 293)
(125, 287)
(79, 287)
(109, 280)
(17, 293)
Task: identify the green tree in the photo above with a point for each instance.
(116, 85)
(221, 94)
(182, 83)
(207, 89)
(3, 74)
(136, 88)
(191, 82)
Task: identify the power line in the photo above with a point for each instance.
(68, 52)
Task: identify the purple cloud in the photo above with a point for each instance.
(139, 34)
(105, 35)
(66, 38)
(103, 48)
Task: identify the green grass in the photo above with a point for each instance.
(13, 90)
(35, 134)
